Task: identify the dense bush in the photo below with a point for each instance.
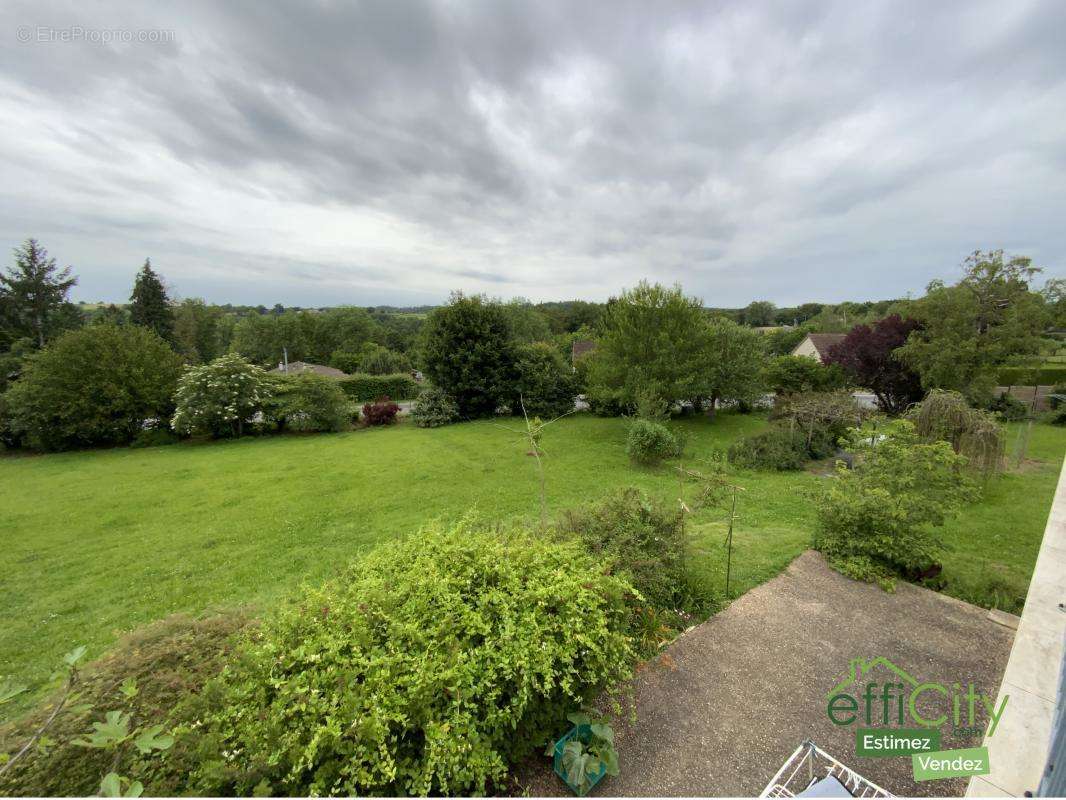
(92, 386)
(469, 351)
(308, 402)
(154, 436)
(878, 520)
(651, 406)
(545, 383)
(362, 387)
(792, 374)
(649, 442)
(434, 408)
(1008, 409)
(170, 660)
(221, 398)
(778, 448)
(639, 538)
(380, 412)
(427, 667)
(11, 361)
(311, 336)
(820, 417)
(371, 359)
(607, 402)
(1057, 416)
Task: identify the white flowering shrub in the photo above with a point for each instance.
(220, 398)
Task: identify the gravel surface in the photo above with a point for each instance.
(725, 705)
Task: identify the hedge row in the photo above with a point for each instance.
(364, 388)
(1027, 376)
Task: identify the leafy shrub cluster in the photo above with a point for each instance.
(434, 408)
(652, 406)
(92, 386)
(545, 385)
(637, 537)
(380, 412)
(777, 448)
(220, 398)
(878, 520)
(649, 442)
(364, 388)
(820, 417)
(154, 436)
(425, 668)
(796, 374)
(371, 359)
(807, 425)
(605, 401)
(307, 402)
(1008, 408)
(170, 660)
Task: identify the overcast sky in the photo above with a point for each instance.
(390, 152)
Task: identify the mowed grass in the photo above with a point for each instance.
(95, 543)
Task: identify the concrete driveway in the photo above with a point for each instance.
(726, 704)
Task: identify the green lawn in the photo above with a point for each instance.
(98, 542)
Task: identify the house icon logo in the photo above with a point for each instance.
(859, 668)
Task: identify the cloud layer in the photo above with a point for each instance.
(387, 151)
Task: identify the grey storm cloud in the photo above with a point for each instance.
(376, 152)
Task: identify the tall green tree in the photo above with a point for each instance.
(1054, 293)
(649, 346)
(149, 304)
(528, 323)
(196, 334)
(976, 326)
(468, 350)
(759, 313)
(731, 364)
(33, 297)
(346, 328)
(304, 335)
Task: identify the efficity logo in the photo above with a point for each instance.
(898, 715)
(903, 701)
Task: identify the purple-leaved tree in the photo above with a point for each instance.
(867, 355)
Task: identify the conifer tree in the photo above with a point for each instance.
(149, 305)
(33, 296)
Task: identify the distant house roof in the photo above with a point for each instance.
(296, 367)
(820, 342)
(581, 347)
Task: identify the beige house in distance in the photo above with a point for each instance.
(816, 345)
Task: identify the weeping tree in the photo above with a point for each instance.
(946, 416)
